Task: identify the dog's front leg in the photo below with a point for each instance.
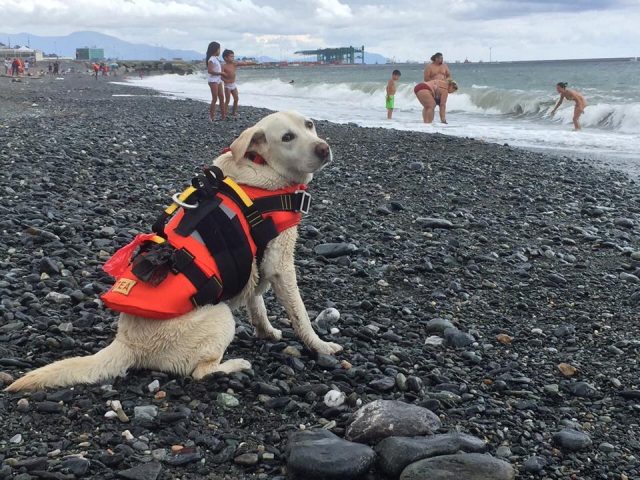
(285, 286)
(258, 317)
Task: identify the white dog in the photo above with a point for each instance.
(194, 343)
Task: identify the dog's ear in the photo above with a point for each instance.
(249, 140)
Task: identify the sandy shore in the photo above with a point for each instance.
(533, 260)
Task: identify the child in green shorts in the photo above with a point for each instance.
(391, 92)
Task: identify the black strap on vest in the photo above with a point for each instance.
(299, 201)
(229, 248)
(208, 289)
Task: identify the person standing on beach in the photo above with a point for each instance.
(230, 87)
(15, 67)
(391, 93)
(581, 103)
(7, 66)
(437, 69)
(96, 69)
(432, 93)
(215, 80)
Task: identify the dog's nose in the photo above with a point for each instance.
(323, 151)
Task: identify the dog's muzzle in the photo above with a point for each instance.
(323, 152)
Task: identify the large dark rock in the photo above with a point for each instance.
(321, 455)
(462, 466)
(395, 453)
(572, 440)
(386, 418)
(145, 471)
(332, 250)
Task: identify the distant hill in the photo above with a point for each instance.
(113, 47)
(116, 48)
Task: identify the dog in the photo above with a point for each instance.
(194, 343)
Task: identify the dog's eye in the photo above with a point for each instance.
(287, 137)
(308, 124)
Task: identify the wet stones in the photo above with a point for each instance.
(572, 440)
(470, 466)
(395, 453)
(457, 338)
(320, 455)
(334, 250)
(385, 418)
(145, 471)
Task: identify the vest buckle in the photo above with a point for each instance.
(305, 201)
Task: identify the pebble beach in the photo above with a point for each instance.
(486, 298)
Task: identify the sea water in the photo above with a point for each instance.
(497, 102)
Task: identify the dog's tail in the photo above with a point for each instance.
(109, 362)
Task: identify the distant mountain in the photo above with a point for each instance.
(113, 47)
(120, 49)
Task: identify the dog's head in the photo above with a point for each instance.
(289, 144)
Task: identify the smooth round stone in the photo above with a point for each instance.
(145, 471)
(334, 250)
(467, 466)
(227, 400)
(534, 464)
(385, 418)
(321, 455)
(457, 338)
(383, 384)
(572, 440)
(606, 447)
(76, 465)
(503, 452)
(395, 453)
(438, 325)
(246, 459)
(145, 412)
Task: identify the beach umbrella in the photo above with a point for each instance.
(114, 65)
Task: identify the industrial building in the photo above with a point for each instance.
(89, 53)
(341, 55)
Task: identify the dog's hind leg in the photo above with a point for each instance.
(258, 317)
(214, 328)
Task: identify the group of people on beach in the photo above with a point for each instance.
(438, 84)
(222, 80)
(16, 67)
(432, 92)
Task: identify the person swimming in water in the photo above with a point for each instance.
(581, 103)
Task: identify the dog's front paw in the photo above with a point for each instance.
(242, 364)
(328, 348)
(272, 334)
(235, 365)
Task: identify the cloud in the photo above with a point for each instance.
(332, 10)
(404, 29)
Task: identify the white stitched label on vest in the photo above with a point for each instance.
(124, 286)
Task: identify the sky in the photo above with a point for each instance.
(398, 29)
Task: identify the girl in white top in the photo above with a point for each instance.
(215, 80)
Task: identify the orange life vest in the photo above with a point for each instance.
(205, 253)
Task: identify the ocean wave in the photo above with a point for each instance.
(364, 100)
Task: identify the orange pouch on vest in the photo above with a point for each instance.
(189, 273)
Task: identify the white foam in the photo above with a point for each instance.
(520, 118)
